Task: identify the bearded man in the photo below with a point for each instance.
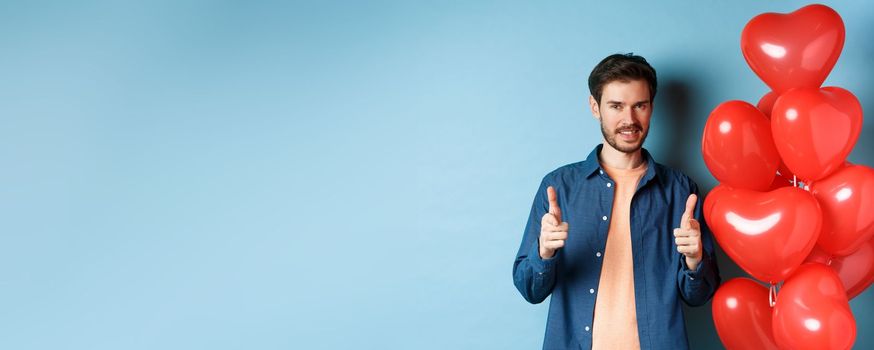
(617, 240)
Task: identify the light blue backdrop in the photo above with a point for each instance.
(326, 175)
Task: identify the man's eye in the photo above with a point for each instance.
(615, 107)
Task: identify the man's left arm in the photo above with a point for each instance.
(697, 271)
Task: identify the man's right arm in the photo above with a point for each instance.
(535, 265)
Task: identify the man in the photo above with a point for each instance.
(616, 239)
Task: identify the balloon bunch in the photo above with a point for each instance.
(789, 209)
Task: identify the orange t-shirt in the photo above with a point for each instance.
(615, 324)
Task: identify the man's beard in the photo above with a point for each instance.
(611, 137)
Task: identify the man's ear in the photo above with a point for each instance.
(593, 105)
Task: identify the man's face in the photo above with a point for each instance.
(624, 112)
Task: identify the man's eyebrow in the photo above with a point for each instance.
(622, 103)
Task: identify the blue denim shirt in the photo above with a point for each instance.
(661, 277)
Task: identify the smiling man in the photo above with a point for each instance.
(617, 240)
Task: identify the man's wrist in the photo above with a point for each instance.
(546, 254)
(692, 263)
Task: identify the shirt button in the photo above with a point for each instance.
(609, 184)
(598, 254)
(587, 328)
(591, 291)
(691, 278)
(601, 171)
(604, 218)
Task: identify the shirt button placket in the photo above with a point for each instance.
(598, 254)
(609, 185)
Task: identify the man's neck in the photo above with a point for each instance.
(613, 158)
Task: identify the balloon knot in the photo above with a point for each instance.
(772, 295)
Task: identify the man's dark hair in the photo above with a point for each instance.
(622, 67)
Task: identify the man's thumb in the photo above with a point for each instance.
(553, 203)
(690, 210)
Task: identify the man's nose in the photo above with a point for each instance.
(629, 115)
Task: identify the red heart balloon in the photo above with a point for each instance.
(780, 181)
(855, 270)
(768, 234)
(812, 311)
(708, 203)
(798, 49)
(847, 201)
(815, 129)
(742, 315)
(766, 105)
(738, 148)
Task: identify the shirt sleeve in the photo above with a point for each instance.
(698, 286)
(533, 276)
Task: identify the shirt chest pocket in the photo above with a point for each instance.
(583, 236)
(652, 220)
(579, 255)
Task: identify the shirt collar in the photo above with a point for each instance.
(591, 165)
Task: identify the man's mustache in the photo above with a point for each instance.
(633, 127)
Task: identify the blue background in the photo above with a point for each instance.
(327, 175)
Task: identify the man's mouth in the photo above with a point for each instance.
(629, 134)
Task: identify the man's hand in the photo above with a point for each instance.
(688, 236)
(553, 232)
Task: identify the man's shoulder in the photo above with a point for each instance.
(566, 173)
(673, 176)
(670, 172)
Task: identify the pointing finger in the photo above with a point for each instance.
(688, 214)
(553, 203)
